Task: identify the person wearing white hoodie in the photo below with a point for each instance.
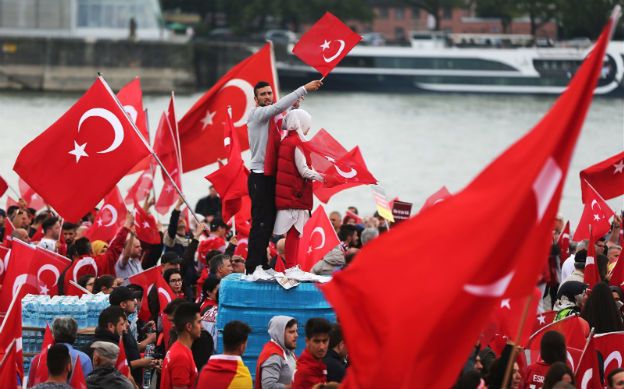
(277, 361)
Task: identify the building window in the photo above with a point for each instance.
(415, 13)
(447, 13)
(399, 13)
(382, 12)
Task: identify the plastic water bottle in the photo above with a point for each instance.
(147, 374)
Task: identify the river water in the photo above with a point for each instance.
(413, 144)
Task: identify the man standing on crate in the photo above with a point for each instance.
(261, 182)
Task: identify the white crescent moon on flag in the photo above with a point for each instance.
(164, 293)
(594, 202)
(248, 90)
(614, 356)
(333, 57)
(131, 112)
(19, 281)
(51, 268)
(586, 378)
(350, 174)
(112, 120)
(571, 360)
(113, 212)
(495, 289)
(84, 262)
(322, 233)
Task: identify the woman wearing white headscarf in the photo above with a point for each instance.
(293, 189)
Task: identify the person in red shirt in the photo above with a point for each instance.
(179, 370)
(552, 349)
(311, 369)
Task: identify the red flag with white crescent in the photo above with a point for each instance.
(167, 148)
(143, 185)
(596, 214)
(590, 274)
(326, 43)
(606, 177)
(611, 347)
(40, 368)
(33, 200)
(563, 241)
(34, 269)
(441, 195)
(122, 361)
(145, 226)
(11, 336)
(4, 253)
(201, 128)
(109, 218)
(525, 210)
(85, 152)
(588, 370)
(318, 238)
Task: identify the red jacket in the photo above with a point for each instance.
(291, 190)
(310, 371)
(270, 348)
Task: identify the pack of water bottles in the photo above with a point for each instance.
(37, 310)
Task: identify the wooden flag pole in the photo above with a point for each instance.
(515, 343)
(589, 338)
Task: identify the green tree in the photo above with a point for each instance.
(505, 10)
(540, 12)
(585, 18)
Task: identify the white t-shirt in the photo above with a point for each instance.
(567, 268)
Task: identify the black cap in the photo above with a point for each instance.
(170, 257)
(119, 295)
(2, 212)
(216, 223)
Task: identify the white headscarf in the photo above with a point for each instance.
(297, 120)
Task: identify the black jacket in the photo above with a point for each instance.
(209, 206)
(107, 378)
(336, 366)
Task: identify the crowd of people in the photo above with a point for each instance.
(174, 346)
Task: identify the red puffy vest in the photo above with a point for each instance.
(291, 190)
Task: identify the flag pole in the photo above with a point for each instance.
(151, 150)
(515, 343)
(4, 357)
(152, 168)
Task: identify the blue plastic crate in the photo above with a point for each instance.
(255, 303)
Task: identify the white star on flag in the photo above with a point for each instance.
(619, 167)
(145, 225)
(597, 217)
(99, 222)
(43, 289)
(505, 303)
(325, 45)
(169, 189)
(541, 319)
(79, 151)
(207, 120)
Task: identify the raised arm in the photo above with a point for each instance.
(267, 112)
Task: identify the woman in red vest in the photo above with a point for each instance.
(293, 186)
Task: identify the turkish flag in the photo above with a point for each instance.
(11, 335)
(166, 147)
(41, 369)
(588, 370)
(596, 214)
(85, 152)
(318, 238)
(590, 274)
(146, 279)
(563, 241)
(326, 43)
(505, 320)
(3, 186)
(122, 362)
(77, 380)
(145, 226)
(230, 181)
(109, 218)
(201, 129)
(4, 253)
(8, 231)
(609, 345)
(28, 194)
(606, 177)
(509, 201)
(141, 188)
(35, 269)
(573, 328)
(131, 99)
(541, 320)
(441, 195)
(9, 364)
(342, 169)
